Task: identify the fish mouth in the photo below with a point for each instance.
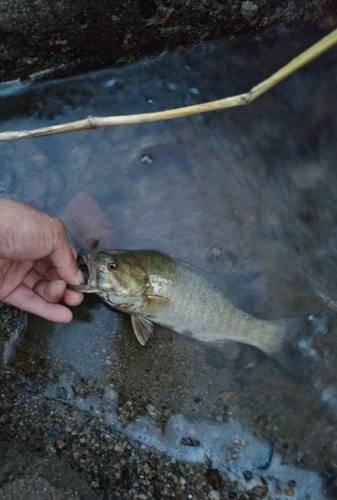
(88, 269)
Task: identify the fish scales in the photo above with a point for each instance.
(157, 289)
(196, 307)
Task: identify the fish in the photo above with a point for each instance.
(154, 288)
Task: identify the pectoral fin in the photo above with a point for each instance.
(142, 327)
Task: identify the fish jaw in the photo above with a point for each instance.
(88, 268)
(119, 291)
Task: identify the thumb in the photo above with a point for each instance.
(63, 256)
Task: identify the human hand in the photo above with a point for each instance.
(36, 262)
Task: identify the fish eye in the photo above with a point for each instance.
(111, 266)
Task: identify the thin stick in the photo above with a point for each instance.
(238, 100)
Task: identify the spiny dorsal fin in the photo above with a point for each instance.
(142, 327)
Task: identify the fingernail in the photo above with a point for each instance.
(80, 277)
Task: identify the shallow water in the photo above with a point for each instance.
(248, 194)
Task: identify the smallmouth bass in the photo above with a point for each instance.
(157, 289)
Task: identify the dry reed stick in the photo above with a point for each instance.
(94, 122)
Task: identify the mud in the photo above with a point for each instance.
(66, 38)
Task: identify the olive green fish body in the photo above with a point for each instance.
(154, 288)
(190, 304)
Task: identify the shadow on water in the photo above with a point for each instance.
(247, 194)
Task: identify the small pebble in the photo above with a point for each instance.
(147, 468)
(247, 475)
(248, 10)
(120, 447)
(60, 444)
(5, 419)
(214, 495)
(289, 491)
(146, 159)
(259, 491)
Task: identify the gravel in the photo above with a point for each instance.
(49, 450)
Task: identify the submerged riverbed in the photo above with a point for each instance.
(248, 195)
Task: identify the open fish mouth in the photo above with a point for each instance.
(83, 266)
(89, 272)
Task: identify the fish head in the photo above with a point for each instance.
(116, 275)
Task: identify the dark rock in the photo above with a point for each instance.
(5, 419)
(190, 442)
(247, 474)
(259, 491)
(214, 479)
(147, 8)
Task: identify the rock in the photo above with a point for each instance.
(5, 419)
(289, 491)
(214, 495)
(259, 491)
(214, 479)
(187, 441)
(120, 448)
(147, 8)
(60, 444)
(147, 469)
(248, 10)
(247, 474)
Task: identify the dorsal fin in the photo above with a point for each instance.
(142, 327)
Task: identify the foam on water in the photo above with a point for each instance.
(229, 447)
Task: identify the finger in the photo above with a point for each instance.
(72, 298)
(43, 267)
(29, 301)
(33, 277)
(46, 269)
(52, 291)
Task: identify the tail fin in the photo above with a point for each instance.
(298, 346)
